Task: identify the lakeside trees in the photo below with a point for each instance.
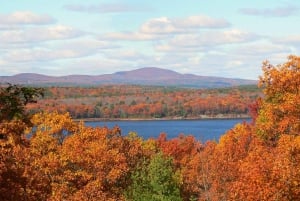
(123, 101)
(55, 158)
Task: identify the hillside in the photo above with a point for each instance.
(147, 102)
(142, 76)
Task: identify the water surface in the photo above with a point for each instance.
(203, 130)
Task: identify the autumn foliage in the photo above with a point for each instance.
(125, 101)
(56, 158)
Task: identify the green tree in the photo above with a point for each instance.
(280, 109)
(13, 117)
(154, 180)
(13, 145)
(13, 100)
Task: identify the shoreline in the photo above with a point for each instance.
(202, 117)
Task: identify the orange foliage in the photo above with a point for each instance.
(144, 102)
(185, 151)
(64, 160)
(279, 113)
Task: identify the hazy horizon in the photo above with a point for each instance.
(124, 71)
(209, 38)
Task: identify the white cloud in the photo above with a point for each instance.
(262, 48)
(88, 45)
(199, 44)
(68, 50)
(163, 47)
(128, 55)
(230, 65)
(207, 39)
(130, 36)
(97, 66)
(25, 18)
(166, 60)
(38, 34)
(164, 25)
(200, 21)
(235, 36)
(293, 40)
(2, 62)
(39, 54)
(8, 68)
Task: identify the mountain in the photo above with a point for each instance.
(142, 76)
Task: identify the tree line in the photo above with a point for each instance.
(51, 157)
(127, 101)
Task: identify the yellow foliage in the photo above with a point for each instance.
(279, 112)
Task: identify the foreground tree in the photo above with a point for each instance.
(184, 150)
(280, 109)
(265, 163)
(154, 180)
(260, 161)
(13, 100)
(13, 145)
(64, 160)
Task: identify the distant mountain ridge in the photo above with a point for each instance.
(142, 76)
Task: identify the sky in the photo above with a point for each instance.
(204, 37)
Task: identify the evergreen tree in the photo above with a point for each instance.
(155, 181)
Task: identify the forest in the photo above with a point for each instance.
(147, 102)
(49, 156)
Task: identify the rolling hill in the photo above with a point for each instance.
(142, 76)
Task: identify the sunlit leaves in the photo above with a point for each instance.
(63, 160)
(279, 113)
(185, 152)
(146, 101)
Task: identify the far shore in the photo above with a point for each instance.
(202, 117)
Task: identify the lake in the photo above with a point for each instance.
(203, 130)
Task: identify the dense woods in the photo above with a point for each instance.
(55, 158)
(127, 101)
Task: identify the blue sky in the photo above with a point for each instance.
(205, 37)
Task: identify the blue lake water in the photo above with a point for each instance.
(203, 130)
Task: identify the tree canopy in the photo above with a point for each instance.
(66, 160)
(13, 100)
